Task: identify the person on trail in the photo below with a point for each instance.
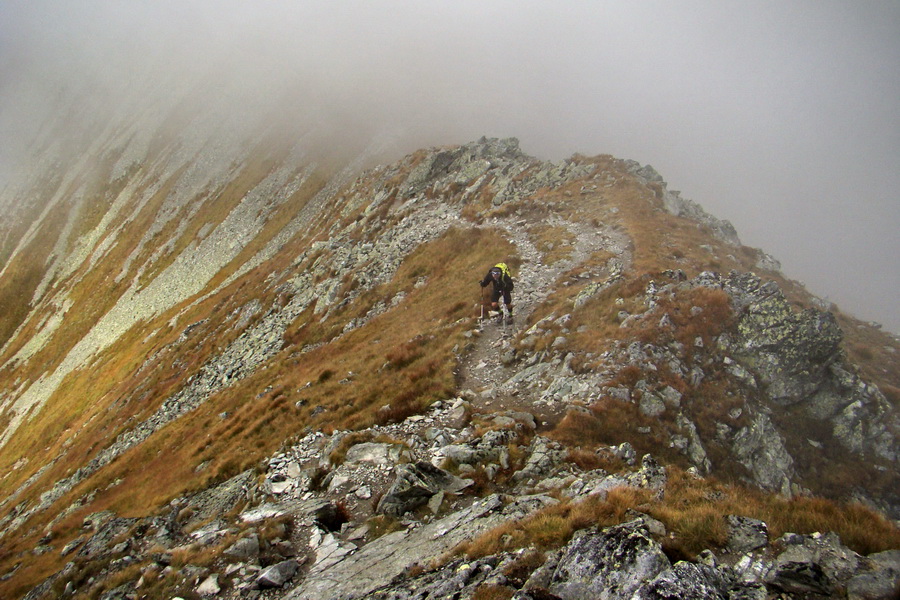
(498, 276)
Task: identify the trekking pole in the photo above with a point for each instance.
(481, 302)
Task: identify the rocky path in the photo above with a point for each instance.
(488, 364)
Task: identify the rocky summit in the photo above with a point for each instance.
(247, 370)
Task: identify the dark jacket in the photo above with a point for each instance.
(504, 283)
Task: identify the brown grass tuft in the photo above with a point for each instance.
(493, 592)
(579, 429)
(586, 460)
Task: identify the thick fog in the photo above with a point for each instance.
(783, 117)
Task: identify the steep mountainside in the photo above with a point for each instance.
(219, 357)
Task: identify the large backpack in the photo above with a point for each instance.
(505, 274)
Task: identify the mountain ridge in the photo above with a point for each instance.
(301, 281)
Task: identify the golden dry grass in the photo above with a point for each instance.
(694, 512)
(19, 283)
(553, 526)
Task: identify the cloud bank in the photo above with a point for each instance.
(781, 117)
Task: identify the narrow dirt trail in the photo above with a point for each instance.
(483, 370)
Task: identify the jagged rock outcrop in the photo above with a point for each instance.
(678, 206)
(796, 358)
(880, 579)
(789, 352)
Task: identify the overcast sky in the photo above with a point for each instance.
(782, 117)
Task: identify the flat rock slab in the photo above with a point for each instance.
(383, 559)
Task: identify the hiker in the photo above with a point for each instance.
(498, 276)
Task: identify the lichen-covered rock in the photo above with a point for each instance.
(651, 404)
(746, 534)
(374, 566)
(880, 582)
(760, 448)
(209, 586)
(651, 475)
(817, 563)
(796, 359)
(801, 578)
(789, 352)
(458, 579)
(121, 592)
(693, 446)
(750, 591)
(865, 420)
(100, 544)
(612, 563)
(489, 447)
(687, 580)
